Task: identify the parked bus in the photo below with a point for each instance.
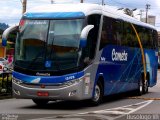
(82, 51)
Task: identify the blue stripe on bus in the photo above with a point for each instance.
(123, 75)
(47, 79)
(54, 15)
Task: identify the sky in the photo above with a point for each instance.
(11, 10)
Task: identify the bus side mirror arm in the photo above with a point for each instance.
(84, 35)
(6, 34)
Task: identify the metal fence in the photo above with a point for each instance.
(6, 83)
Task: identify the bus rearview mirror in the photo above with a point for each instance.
(4, 42)
(6, 34)
(84, 35)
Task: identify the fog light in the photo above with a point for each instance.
(72, 93)
(17, 81)
(16, 91)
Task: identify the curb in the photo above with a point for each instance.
(5, 96)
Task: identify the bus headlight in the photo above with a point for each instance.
(71, 82)
(85, 78)
(17, 81)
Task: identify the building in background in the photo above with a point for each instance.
(159, 49)
(159, 40)
(3, 26)
(11, 45)
(9, 49)
(151, 20)
(2, 49)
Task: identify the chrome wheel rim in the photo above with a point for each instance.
(96, 93)
(141, 86)
(146, 86)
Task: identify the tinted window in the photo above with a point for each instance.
(117, 32)
(111, 32)
(148, 37)
(155, 39)
(129, 36)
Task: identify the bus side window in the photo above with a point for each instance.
(155, 39)
(119, 31)
(126, 41)
(149, 42)
(147, 36)
(111, 32)
(129, 36)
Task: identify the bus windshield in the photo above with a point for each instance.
(48, 44)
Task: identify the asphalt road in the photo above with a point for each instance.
(119, 107)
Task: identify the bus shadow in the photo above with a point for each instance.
(117, 97)
(77, 105)
(61, 105)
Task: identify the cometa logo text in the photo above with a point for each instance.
(119, 56)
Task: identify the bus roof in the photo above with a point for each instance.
(82, 10)
(87, 9)
(111, 12)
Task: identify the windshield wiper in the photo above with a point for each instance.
(36, 58)
(52, 52)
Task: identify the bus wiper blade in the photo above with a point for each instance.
(36, 58)
(52, 52)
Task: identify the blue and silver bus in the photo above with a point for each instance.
(82, 51)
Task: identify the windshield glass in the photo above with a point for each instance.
(48, 44)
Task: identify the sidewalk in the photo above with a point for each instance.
(5, 96)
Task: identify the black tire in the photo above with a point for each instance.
(40, 102)
(142, 86)
(139, 91)
(145, 86)
(98, 94)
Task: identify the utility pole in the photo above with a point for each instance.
(52, 1)
(24, 6)
(102, 2)
(147, 8)
(81, 1)
(141, 14)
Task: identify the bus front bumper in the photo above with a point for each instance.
(78, 90)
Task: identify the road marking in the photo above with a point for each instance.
(144, 98)
(106, 114)
(51, 118)
(118, 111)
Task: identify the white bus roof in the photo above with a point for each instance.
(87, 9)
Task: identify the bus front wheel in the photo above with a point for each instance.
(98, 94)
(40, 102)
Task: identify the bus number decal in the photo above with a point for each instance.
(70, 78)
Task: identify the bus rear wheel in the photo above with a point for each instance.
(143, 86)
(40, 102)
(139, 91)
